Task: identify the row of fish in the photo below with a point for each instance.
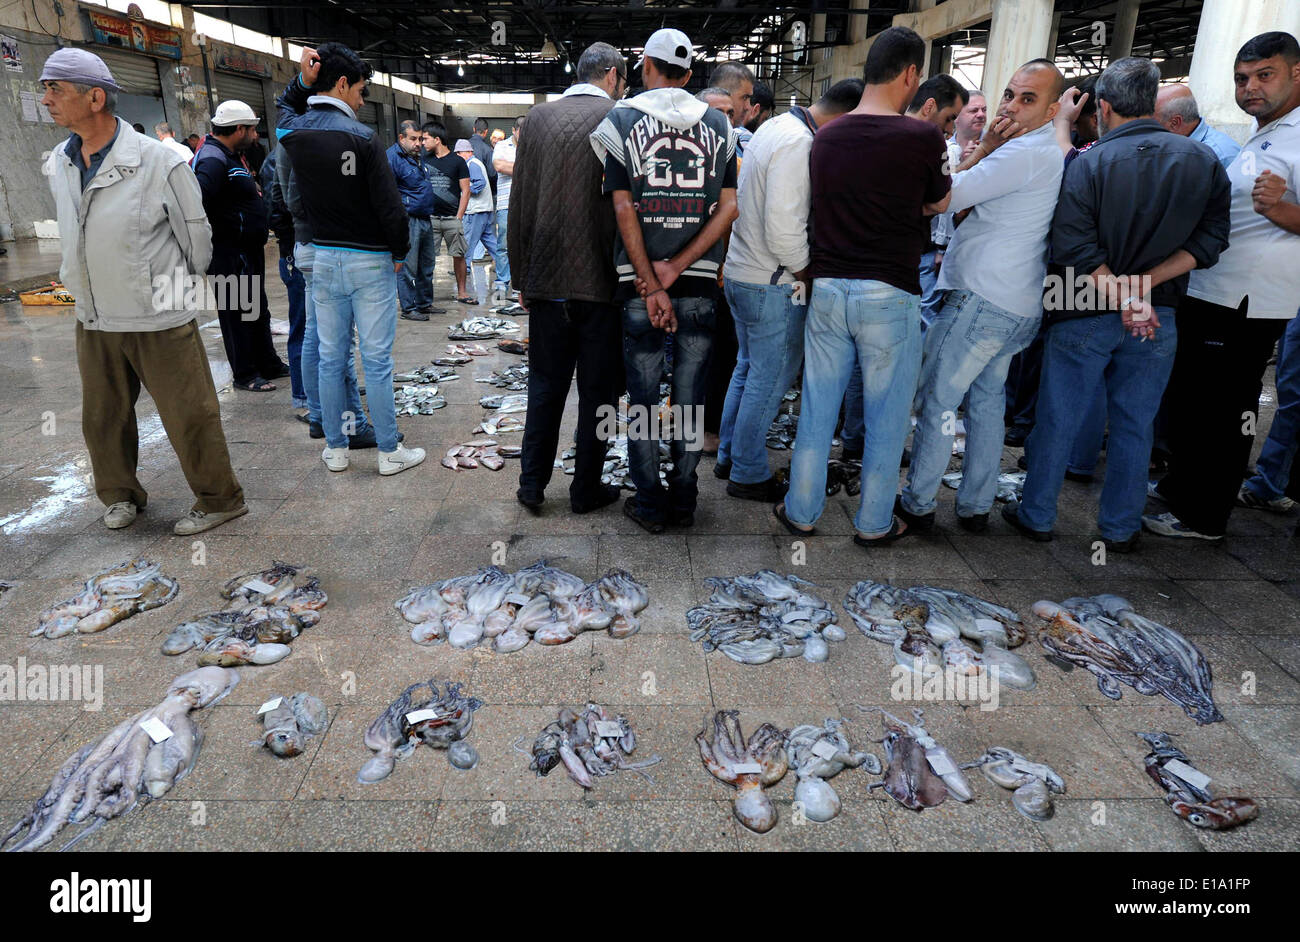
(435, 372)
(514, 377)
(266, 609)
(430, 713)
(1105, 636)
(590, 745)
(482, 327)
(481, 453)
(138, 760)
(754, 619)
(109, 596)
(538, 603)
(931, 628)
(418, 400)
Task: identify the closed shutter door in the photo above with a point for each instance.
(241, 88)
(135, 75)
(369, 115)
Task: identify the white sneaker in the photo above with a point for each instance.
(1152, 491)
(1167, 524)
(393, 462)
(119, 515)
(336, 459)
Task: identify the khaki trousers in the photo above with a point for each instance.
(173, 366)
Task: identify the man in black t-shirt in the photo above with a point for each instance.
(449, 176)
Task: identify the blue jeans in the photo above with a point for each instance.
(1273, 469)
(305, 258)
(295, 284)
(356, 289)
(881, 324)
(643, 358)
(1079, 355)
(969, 346)
(931, 297)
(479, 229)
(1092, 433)
(499, 255)
(769, 334)
(415, 280)
(853, 431)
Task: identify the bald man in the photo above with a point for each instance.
(1176, 110)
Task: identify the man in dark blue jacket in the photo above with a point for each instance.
(360, 231)
(280, 222)
(415, 283)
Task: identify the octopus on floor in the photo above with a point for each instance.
(426, 713)
(590, 744)
(754, 619)
(749, 766)
(817, 753)
(109, 596)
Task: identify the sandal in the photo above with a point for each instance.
(897, 531)
(779, 512)
(467, 300)
(257, 384)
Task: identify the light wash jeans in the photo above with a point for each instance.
(883, 325)
(1080, 354)
(415, 280)
(304, 255)
(769, 335)
(356, 288)
(479, 231)
(931, 297)
(1273, 469)
(499, 256)
(968, 346)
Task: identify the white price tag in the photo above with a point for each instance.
(156, 729)
(419, 716)
(608, 729)
(941, 764)
(747, 768)
(824, 750)
(257, 585)
(1193, 777)
(269, 705)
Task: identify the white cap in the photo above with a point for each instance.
(462, 145)
(669, 45)
(232, 114)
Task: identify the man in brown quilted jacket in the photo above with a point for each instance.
(561, 246)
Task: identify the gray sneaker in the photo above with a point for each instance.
(119, 515)
(1248, 498)
(198, 521)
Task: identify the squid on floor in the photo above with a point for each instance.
(587, 748)
(748, 766)
(1193, 803)
(422, 713)
(913, 763)
(109, 596)
(1032, 783)
(288, 726)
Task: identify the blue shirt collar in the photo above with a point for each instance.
(88, 172)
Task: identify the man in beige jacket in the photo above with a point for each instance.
(135, 245)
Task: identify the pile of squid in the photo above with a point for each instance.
(817, 753)
(1032, 784)
(919, 773)
(288, 722)
(109, 596)
(932, 628)
(1103, 635)
(589, 744)
(538, 603)
(138, 760)
(426, 713)
(753, 619)
(749, 766)
(1192, 802)
(266, 610)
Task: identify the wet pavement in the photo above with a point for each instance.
(372, 539)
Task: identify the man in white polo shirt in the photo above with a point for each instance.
(993, 272)
(1235, 312)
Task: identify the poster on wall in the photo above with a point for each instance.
(13, 59)
(153, 39)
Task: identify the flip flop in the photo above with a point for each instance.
(257, 384)
(893, 536)
(467, 300)
(779, 512)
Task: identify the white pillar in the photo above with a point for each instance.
(1122, 29)
(1019, 32)
(1224, 28)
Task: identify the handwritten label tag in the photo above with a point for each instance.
(747, 768)
(269, 705)
(1193, 777)
(420, 716)
(608, 729)
(156, 729)
(824, 750)
(941, 764)
(257, 585)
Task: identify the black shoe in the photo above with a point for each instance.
(1122, 546)
(1010, 513)
(414, 316)
(367, 439)
(851, 454)
(303, 418)
(916, 522)
(602, 498)
(530, 499)
(279, 372)
(315, 430)
(976, 523)
(1015, 436)
(650, 526)
(767, 492)
(1078, 476)
(1022, 463)
(722, 471)
(433, 310)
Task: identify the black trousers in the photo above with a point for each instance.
(240, 290)
(1022, 382)
(722, 363)
(563, 335)
(1212, 409)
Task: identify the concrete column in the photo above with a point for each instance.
(1224, 28)
(1019, 32)
(858, 23)
(927, 69)
(1053, 36)
(1122, 29)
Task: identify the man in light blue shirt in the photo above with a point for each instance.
(993, 272)
(1176, 110)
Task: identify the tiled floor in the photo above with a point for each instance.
(372, 539)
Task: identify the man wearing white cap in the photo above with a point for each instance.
(478, 213)
(237, 212)
(113, 190)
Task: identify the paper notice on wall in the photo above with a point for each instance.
(13, 58)
(29, 107)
